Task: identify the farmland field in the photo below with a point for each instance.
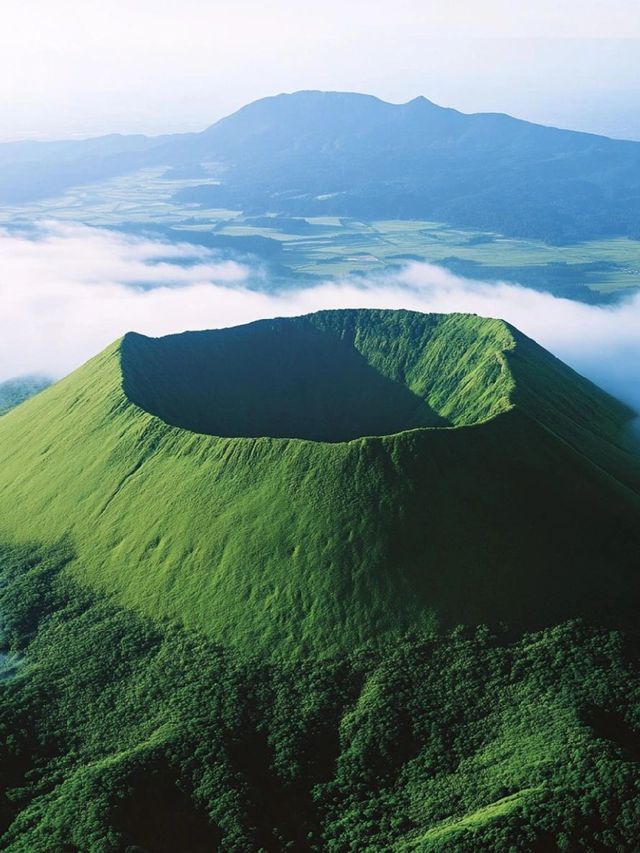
(317, 248)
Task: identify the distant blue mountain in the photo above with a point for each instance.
(16, 391)
(342, 154)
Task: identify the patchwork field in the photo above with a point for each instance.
(318, 248)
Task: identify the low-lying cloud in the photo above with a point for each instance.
(68, 291)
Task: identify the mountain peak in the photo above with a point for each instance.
(343, 154)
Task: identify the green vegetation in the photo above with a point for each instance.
(474, 820)
(121, 734)
(310, 544)
(235, 573)
(591, 271)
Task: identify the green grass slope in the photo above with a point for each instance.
(301, 486)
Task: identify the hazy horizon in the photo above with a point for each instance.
(75, 70)
(594, 118)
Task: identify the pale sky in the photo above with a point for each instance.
(73, 68)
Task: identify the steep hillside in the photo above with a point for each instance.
(303, 485)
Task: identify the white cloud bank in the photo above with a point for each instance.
(70, 290)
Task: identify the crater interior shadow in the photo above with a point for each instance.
(305, 383)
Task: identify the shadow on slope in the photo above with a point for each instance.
(155, 815)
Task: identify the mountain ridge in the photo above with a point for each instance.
(318, 153)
